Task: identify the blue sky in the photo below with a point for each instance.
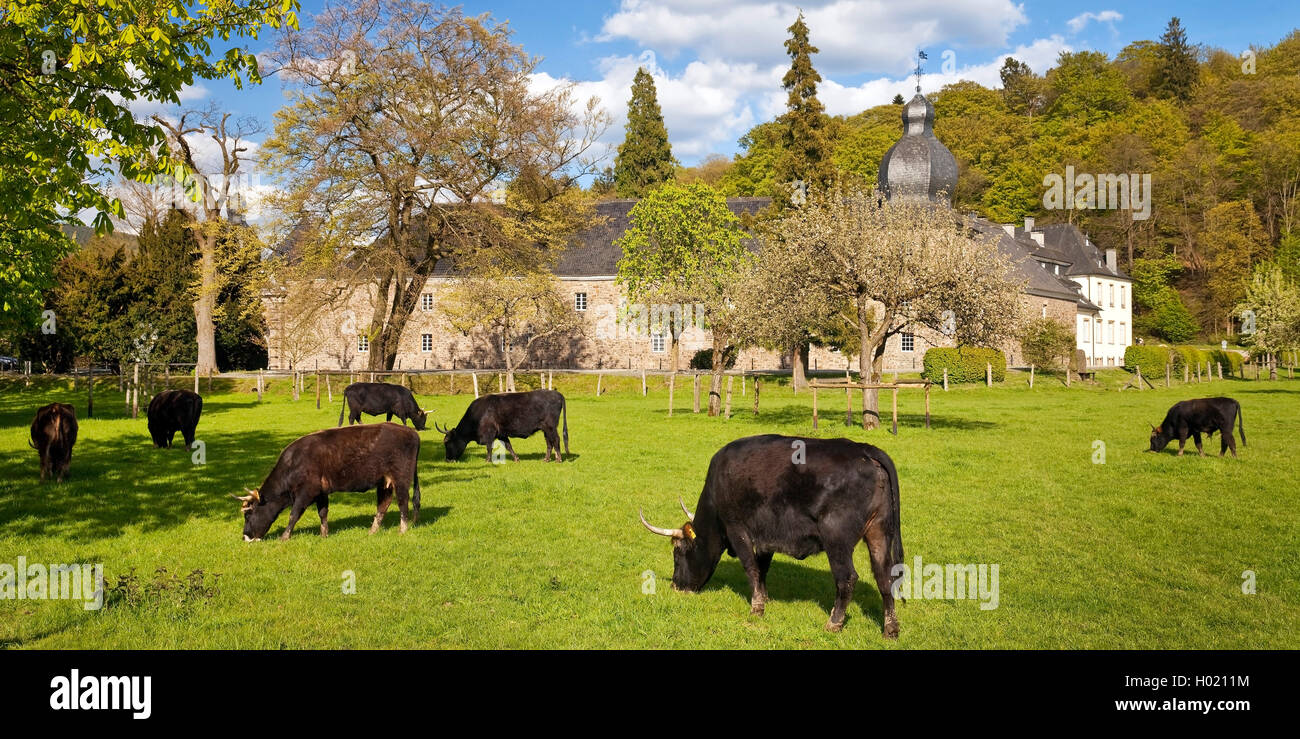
(717, 63)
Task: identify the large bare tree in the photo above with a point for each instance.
(211, 184)
(405, 119)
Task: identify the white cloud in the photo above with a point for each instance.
(1081, 21)
(852, 36)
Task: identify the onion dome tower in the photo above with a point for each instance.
(918, 168)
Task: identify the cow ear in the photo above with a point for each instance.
(689, 531)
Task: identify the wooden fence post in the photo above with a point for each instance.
(1031, 377)
(474, 377)
(848, 405)
(90, 393)
(196, 379)
(895, 410)
(501, 383)
(135, 390)
(927, 405)
(1187, 374)
(318, 389)
(1168, 371)
(600, 376)
(1219, 367)
(1139, 377)
(727, 413)
(945, 378)
(644, 392)
(259, 385)
(672, 380)
(988, 374)
(758, 387)
(696, 404)
(814, 392)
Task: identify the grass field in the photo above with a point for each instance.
(1143, 551)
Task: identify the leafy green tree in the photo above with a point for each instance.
(1024, 92)
(1274, 302)
(1176, 70)
(645, 158)
(70, 68)
(164, 273)
(684, 248)
(1085, 87)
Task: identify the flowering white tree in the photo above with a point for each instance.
(897, 265)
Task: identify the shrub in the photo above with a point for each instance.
(1231, 361)
(1046, 342)
(1153, 358)
(703, 359)
(964, 364)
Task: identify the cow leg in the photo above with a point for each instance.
(878, 545)
(1196, 436)
(749, 560)
(385, 495)
(845, 577)
(323, 509)
(402, 498)
(1182, 442)
(1230, 440)
(552, 440)
(764, 561)
(389, 418)
(506, 440)
(299, 505)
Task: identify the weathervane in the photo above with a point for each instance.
(920, 56)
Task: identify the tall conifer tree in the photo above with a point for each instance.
(1177, 70)
(806, 157)
(645, 158)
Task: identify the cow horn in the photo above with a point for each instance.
(256, 495)
(440, 429)
(689, 515)
(674, 533)
(1152, 425)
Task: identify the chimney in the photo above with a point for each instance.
(1010, 228)
(1029, 224)
(1038, 237)
(1112, 260)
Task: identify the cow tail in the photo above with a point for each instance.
(895, 523)
(564, 411)
(343, 409)
(1241, 424)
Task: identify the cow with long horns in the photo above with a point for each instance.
(383, 456)
(796, 496)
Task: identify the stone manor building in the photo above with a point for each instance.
(1066, 278)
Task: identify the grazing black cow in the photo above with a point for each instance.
(54, 431)
(171, 411)
(797, 496)
(1194, 417)
(375, 398)
(506, 415)
(355, 459)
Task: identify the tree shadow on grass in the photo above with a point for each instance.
(309, 524)
(116, 484)
(790, 581)
(18, 409)
(834, 418)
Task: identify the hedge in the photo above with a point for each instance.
(964, 364)
(703, 359)
(1154, 358)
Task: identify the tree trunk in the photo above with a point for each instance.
(206, 303)
(715, 381)
(870, 364)
(674, 352)
(799, 366)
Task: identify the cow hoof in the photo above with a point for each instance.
(891, 628)
(756, 610)
(402, 528)
(284, 536)
(834, 628)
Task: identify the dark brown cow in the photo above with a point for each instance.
(54, 431)
(171, 411)
(381, 456)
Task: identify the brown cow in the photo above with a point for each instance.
(379, 456)
(54, 431)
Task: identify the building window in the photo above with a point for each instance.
(1112, 294)
(1096, 333)
(426, 342)
(1121, 334)
(1110, 332)
(363, 344)
(1121, 296)
(1083, 331)
(580, 301)
(426, 302)
(907, 342)
(657, 343)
